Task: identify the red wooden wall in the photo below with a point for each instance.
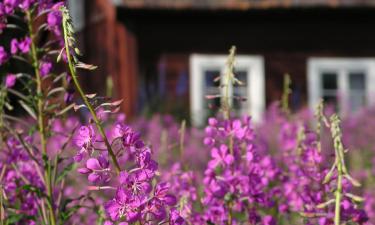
(113, 48)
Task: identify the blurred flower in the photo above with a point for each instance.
(3, 55)
(10, 80)
(45, 68)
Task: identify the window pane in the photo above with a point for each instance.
(329, 81)
(210, 76)
(212, 88)
(357, 81)
(240, 92)
(329, 89)
(241, 76)
(357, 86)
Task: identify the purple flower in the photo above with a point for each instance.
(268, 220)
(161, 194)
(45, 68)
(85, 140)
(175, 218)
(69, 95)
(25, 5)
(14, 46)
(10, 5)
(98, 169)
(135, 183)
(220, 157)
(10, 80)
(132, 139)
(124, 205)
(54, 18)
(3, 55)
(24, 45)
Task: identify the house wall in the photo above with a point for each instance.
(286, 38)
(113, 48)
(147, 50)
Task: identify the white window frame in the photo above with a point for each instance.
(342, 67)
(253, 65)
(77, 12)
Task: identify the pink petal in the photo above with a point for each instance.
(215, 153)
(93, 164)
(93, 177)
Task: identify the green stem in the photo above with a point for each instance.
(340, 164)
(228, 80)
(73, 73)
(182, 139)
(41, 129)
(226, 107)
(230, 214)
(2, 213)
(286, 92)
(338, 193)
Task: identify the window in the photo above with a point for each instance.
(77, 11)
(205, 68)
(345, 83)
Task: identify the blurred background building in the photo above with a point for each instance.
(163, 55)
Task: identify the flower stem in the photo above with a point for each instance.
(73, 73)
(338, 194)
(227, 83)
(286, 92)
(182, 139)
(339, 162)
(40, 118)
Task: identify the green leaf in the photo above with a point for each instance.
(14, 218)
(14, 26)
(65, 171)
(55, 90)
(66, 109)
(28, 109)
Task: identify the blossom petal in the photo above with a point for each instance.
(93, 164)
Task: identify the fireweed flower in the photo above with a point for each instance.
(10, 5)
(175, 218)
(25, 4)
(183, 184)
(24, 45)
(45, 68)
(135, 182)
(16, 150)
(10, 80)
(161, 194)
(97, 169)
(13, 46)
(54, 19)
(220, 156)
(138, 197)
(238, 178)
(124, 205)
(3, 55)
(85, 140)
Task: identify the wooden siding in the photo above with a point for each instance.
(242, 4)
(130, 44)
(113, 48)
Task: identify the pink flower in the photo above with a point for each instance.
(3, 55)
(221, 156)
(14, 46)
(24, 46)
(45, 68)
(10, 80)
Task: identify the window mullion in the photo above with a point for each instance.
(343, 85)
